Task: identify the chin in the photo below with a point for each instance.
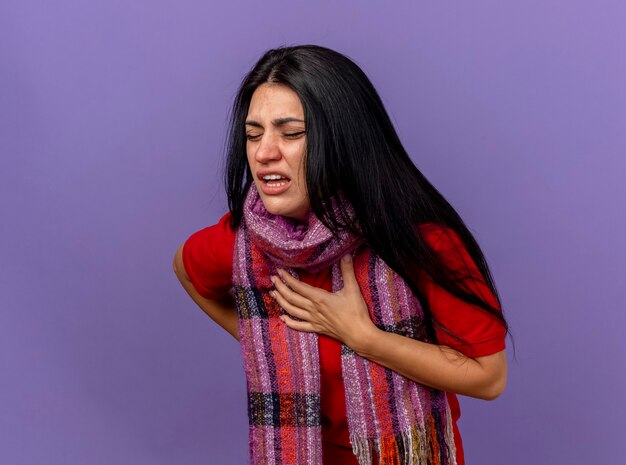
(280, 208)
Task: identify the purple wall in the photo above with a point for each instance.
(112, 119)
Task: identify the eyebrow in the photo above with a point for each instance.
(276, 122)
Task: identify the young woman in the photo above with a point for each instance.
(361, 301)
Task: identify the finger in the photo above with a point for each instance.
(289, 308)
(290, 295)
(297, 325)
(347, 273)
(304, 289)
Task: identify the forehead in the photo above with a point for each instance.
(271, 100)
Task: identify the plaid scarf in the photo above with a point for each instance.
(391, 419)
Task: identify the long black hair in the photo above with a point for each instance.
(352, 148)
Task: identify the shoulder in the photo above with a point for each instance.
(207, 257)
(439, 236)
(483, 333)
(451, 249)
(211, 240)
(219, 230)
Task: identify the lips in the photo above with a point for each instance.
(273, 186)
(260, 174)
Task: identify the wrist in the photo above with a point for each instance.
(362, 341)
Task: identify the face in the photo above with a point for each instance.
(275, 146)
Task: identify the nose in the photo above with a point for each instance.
(267, 149)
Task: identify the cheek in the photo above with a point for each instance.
(299, 162)
(301, 180)
(302, 189)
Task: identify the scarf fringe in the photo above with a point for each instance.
(406, 449)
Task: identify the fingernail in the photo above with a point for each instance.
(346, 258)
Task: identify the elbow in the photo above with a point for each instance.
(493, 393)
(491, 380)
(178, 265)
(174, 266)
(495, 388)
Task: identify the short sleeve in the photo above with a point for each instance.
(208, 256)
(484, 333)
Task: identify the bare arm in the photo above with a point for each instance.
(434, 365)
(223, 311)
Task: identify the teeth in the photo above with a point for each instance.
(268, 177)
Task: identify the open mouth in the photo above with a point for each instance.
(275, 180)
(274, 184)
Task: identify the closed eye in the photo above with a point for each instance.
(294, 134)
